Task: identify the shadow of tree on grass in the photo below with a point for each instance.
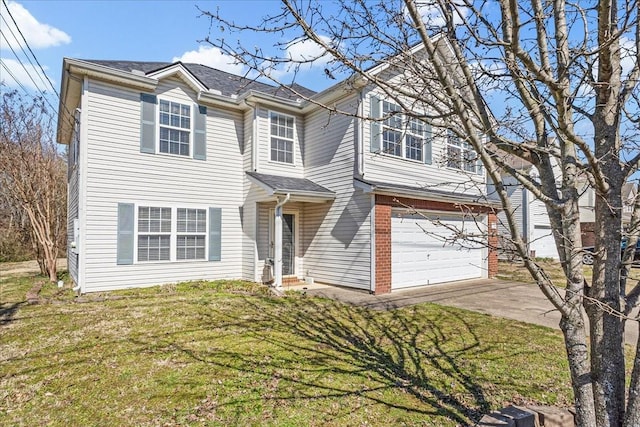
(357, 352)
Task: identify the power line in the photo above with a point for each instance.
(29, 47)
(14, 77)
(22, 63)
(22, 48)
(43, 94)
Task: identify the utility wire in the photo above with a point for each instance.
(23, 51)
(44, 95)
(29, 47)
(22, 64)
(14, 77)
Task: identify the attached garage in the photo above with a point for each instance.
(422, 252)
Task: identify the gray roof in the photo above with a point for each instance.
(295, 186)
(228, 84)
(428, 193)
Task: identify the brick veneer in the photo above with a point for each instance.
(492, 262)
(383, 249)
(587, 230)
(383, 233)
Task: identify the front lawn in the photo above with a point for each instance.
(229, 353)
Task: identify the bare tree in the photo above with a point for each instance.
(551, 82)
(33, 176)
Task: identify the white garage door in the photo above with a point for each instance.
(422, 252)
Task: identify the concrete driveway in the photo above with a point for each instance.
(511, 300)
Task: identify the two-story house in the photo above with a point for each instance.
(182, 172)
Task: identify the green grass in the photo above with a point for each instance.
(229, 353)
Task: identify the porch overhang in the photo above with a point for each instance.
(422, 193)
(298, 189)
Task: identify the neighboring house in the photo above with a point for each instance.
(533, 221)
(587, 209)
(182, 172)
(530, 215)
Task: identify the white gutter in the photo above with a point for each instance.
(360, 168)
(278, 241)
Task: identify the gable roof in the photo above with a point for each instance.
(226, 83)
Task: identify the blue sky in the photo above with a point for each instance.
(144, 30)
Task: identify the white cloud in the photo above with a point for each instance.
(628, 55)
(432, 14)
(37, 34)
(304, 54)
(212, 57)
(17, 72)
(308, 50)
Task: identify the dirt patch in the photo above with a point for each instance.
(25, 268)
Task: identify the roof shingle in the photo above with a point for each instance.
(228, 84)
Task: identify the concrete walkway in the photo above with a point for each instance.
(511, 300)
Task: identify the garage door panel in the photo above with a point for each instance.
(421, 254)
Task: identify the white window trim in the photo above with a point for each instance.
(159, 233)
(294, 140)
(404, 132)
(464, 147)
(191, 128)
(174, 232)
(297, 259)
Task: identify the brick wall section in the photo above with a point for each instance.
(587, 230)
(492, 263)
(383, 249)
(383, 233)
(401, 202)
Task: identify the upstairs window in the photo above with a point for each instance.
(172, 127)
(392, 129)
(461, 155)
(399, 134)
(415, 140)
(281, 137)
(175, 128)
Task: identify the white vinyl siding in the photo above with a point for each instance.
(73, 198)
(265, 164)
(119, 173)
(404, 171)
(336, 235)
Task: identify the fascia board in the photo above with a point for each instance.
(180, 71)
(101, 72)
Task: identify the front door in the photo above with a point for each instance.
(288, 244)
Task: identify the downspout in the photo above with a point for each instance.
(361, 139)
(278, 240)
(254, 139)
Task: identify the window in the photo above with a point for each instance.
(191, 238)
(161, 229)
(391, 129)
(461, 155)
(403, 136)
(415, 139)
(281, 138)
(175, 128)
(154, 233)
